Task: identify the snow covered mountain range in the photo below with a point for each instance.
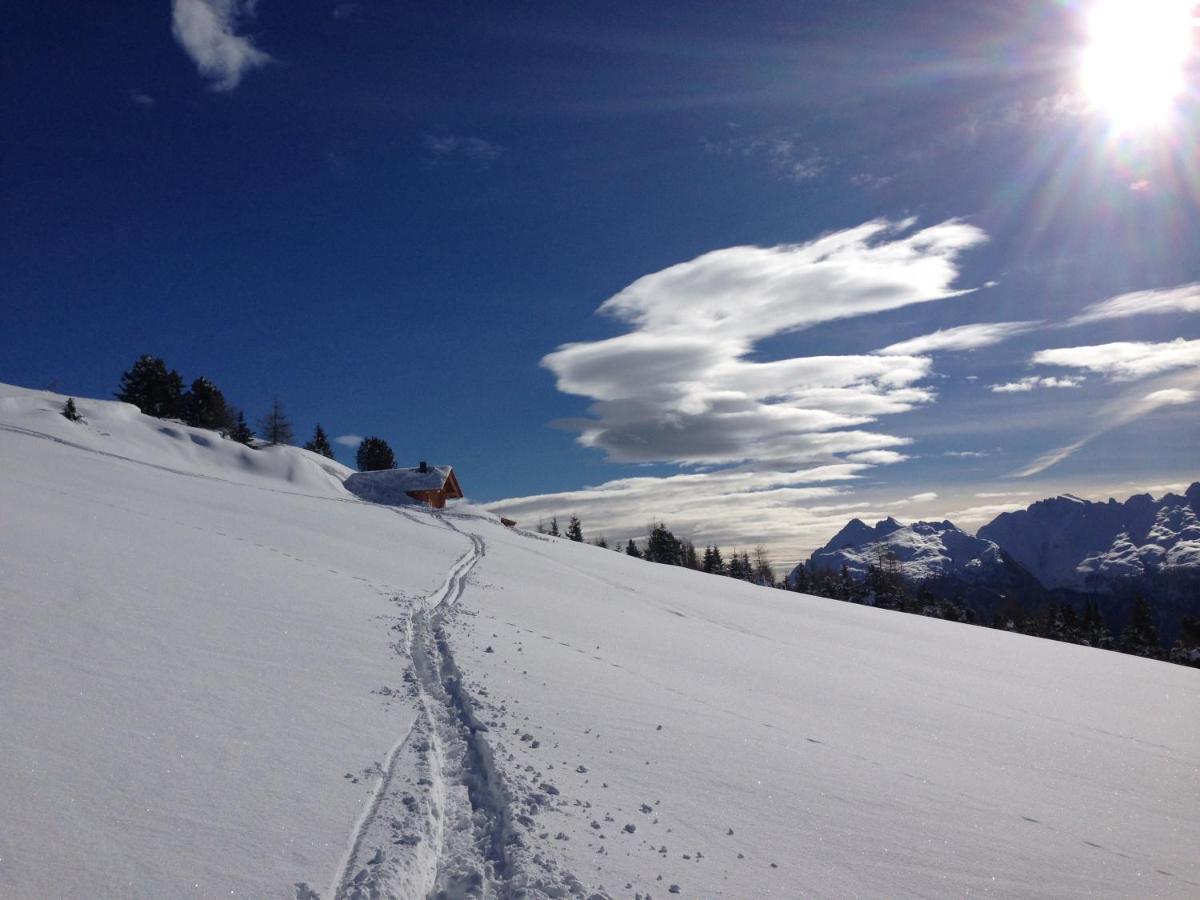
(224, 675)
(1072, 543)
(1063, 542)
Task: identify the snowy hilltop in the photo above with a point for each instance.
(1068, 542)
(223, 674)
(920, 550)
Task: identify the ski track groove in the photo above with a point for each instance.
(439, 683)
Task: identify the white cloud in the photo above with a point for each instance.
(679, 386)
(922, 498)
(348, 440)
(207, 31)
(963, 337)
(1170, 397)
(1184, 298)
(966, 454)
(1125, 360)
(141, 99)
(876, 457)
(1033, 382)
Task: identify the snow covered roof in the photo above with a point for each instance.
(393, 486)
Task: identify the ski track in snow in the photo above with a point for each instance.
(463, 825)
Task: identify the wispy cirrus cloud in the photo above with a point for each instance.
(786, 157)
(1184, 298)
(962, 337)
(1125, 360)
(348, 440)
(208, 32)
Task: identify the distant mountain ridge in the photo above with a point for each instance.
(921, 550)
(1059, 550)
(1066, 542)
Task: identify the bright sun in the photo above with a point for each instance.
(1133, 68)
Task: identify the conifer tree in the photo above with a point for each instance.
(600, 542)
(240, 431)
(631, 549)
(690, 559)
(663, 547)
(320, 443)
(1140, 636)
(575, 530)
(275, 427)
(800, 581)
(152, 389)
(374, 455)
(736, 568)
(554, 527)
(712, 563)
(70, 412)
(204, 406)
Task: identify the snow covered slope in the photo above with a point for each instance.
(1069, 542)
(225, 676)
(921, 550)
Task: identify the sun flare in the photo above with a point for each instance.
(1134, 64)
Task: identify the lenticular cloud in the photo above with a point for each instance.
(679, 387)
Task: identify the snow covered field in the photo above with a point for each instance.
(223, 675)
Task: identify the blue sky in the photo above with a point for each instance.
(751, 269)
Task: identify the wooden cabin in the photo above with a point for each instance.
(430, 485)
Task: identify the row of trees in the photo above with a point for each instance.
(885, 586)
(158, 391)
(662, 546)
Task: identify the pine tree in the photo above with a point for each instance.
(575, 530)
(600, 542)
(736, 568)
(712, 563)
(320, 443)
(554, 527)
(70, 412)
(1140, 636)
(152, 389)
(374, 455)
(690, 559)
(275, 427)
(663, 547)
(800, 581)
(240, 431)
(204, 406)
(631, 549)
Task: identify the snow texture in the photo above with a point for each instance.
(221, 674)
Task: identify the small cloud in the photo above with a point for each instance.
(923, 498)
(345, 11)
(867, 180)
(1184, 298)
(964, 337)
(207, 32)
(987, 495)
(141, 99)
(1140, 185)
(1033, 382)
(966, 454)
(1125, 360)
(348, 440)
(450, 149)
(876, 457)
(787, 158)
(1171, 397)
